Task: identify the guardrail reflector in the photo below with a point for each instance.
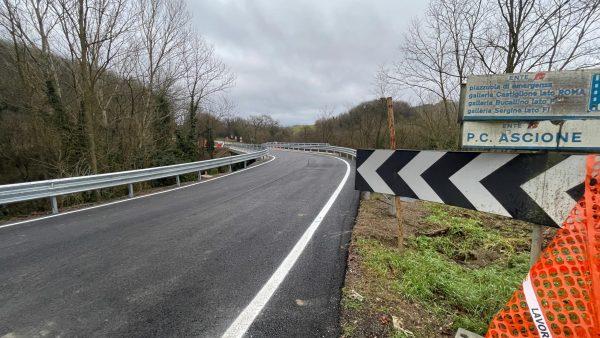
(560, 295)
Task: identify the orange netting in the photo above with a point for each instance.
(559, 297)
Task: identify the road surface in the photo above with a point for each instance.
(187, 262)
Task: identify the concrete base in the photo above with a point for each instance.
(462, 333)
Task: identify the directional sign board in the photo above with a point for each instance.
(533, 96)
(538, 188)
(571, 135)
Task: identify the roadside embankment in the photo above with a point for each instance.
(458, 268)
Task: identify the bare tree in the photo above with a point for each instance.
(205, 75)
(325, 124)
(528, 35)
(161, 31)
(437, 53)
(92, 33)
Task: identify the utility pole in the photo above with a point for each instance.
(397, 203)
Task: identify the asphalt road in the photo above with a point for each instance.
(185, 262)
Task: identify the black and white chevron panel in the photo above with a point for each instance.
(538, 188)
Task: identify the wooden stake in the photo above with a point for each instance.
(397, 203)
(390, 120)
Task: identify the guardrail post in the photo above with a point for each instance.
(130, 187)
(229, 168)
(54, 203)
(245, 164)
(178, 181)
(199, 175)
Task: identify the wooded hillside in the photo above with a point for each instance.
(104, 85)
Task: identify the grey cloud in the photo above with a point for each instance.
(292, 58)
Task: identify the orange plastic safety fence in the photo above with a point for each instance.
(559, 297)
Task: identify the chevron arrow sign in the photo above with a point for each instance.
(538, 188)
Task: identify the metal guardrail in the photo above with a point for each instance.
(11, 193)
(243, 148)
(274, 144)
(319, 147)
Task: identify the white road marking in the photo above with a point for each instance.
(241, 324)
(412, 171)
(468, 181)
(133, 198)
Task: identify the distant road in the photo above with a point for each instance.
(188, 262)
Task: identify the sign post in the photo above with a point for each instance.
(397, 202)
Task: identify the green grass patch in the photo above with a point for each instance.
(349, 329)
(467, 238)
(349, 302)
(299, 128)
(434, 270)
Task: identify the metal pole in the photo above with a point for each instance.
(229, 168)
(199, 175)
(178, 181)
(54, 205)
(130, 188)
(391, 205)
(536, 243)
(245, 164)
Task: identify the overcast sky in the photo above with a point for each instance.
(294, 58)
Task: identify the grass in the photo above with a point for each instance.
(462, 275)
(350, 303)
(349, 329)
(471, 296)
(466, 237)
(299, 128)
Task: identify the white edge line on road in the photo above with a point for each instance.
(241, 324)
(134, 198)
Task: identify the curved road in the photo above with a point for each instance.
(186, 262)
